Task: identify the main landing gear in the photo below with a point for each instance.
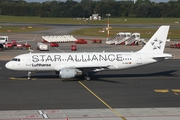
(29, 76)
(86, 76)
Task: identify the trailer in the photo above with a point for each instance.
(19, 46)
(42, 46)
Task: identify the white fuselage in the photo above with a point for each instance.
(57, 61)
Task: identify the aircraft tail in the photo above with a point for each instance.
(157, 42)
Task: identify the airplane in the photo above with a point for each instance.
(70, 65)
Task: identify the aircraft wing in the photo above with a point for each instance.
(87, 67)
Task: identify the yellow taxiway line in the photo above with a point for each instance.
(175, 91)
(103, 101)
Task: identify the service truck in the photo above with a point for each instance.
(3, 41)
(42, 46)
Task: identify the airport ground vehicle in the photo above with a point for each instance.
(42, 46)
(81, 41)
(14, 42)
(73, 47)
(54, 44)
(44, 41)
(8, 45)
(19, 46)
(22, 46)
(26, 45)
(3, 40)
(176, 45)
(1, 47)
(96, 41)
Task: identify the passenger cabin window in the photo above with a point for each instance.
(16, 59)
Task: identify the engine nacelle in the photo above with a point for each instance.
(69, 73)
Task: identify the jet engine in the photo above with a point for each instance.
(69, 73)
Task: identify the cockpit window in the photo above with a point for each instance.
(16, 59)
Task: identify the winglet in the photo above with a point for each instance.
(157, 42)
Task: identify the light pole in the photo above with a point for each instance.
(108, 26)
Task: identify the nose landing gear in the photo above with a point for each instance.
(29, 76)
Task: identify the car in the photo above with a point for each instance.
(54, 44)
(73, 47)
(81, 41)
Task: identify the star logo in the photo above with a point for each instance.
(156, 44)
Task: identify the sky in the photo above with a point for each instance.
(80, 0)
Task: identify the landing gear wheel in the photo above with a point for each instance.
(85, 75)
(87, 78)
(29, 76)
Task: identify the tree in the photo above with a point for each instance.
(76, 11)
(142, 10)
(87, 7)
(155, 12)
(45, 10)
(164, 9)
(132, 11)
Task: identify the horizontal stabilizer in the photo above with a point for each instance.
(162, 56)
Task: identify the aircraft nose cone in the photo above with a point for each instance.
(8, 65)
